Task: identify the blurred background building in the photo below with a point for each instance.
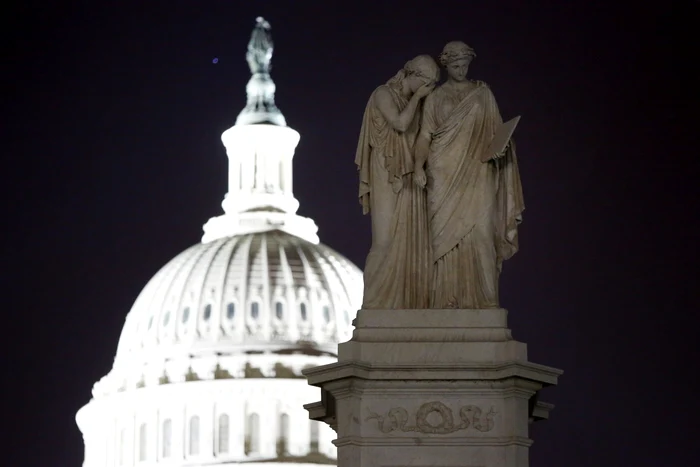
(208, 366)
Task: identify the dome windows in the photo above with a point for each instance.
(314, 436)
(230, 310)
(166, 318)
(252, 435)
(122, 446)
(347, 316)
(223, 433)
(279, 310)
(167, 437)
(302, 312)
(283, 436)
(150, 322)
(326, 314)
(185, 314)
(254, 310)
(207, 312)
(143, 446)
(194, 436)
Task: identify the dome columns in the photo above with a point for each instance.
(260, 196)
(260, 168)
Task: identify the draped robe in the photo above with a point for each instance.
(397, 270)
(473, 207)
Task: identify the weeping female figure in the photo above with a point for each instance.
(397, 271)
(474, 207)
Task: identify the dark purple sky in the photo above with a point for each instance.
(114, 162)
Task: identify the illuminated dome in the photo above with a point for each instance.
(268, 292)
(208, 366)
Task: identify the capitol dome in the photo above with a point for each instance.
(268, 292)
(208, 365)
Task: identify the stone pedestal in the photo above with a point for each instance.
(444, 388)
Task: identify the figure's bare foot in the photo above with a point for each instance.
(452, 304)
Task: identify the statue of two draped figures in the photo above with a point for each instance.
(439, 178)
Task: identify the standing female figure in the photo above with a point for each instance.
(474, 207)
(397, 270)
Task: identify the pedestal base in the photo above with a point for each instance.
(447, 388)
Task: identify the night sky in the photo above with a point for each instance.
(114, 161)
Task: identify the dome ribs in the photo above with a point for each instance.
(326, 277)
(296, 266)
(184, 289)
(200, 300)
(150, 303)
(264, 268)
(288, 288)
(278, 329)
(276, 271)
(254, 292)
(264, 322)
(243, 259)
(312, 285)
(224, 288)
(254, 267)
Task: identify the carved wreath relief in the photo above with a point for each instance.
(469, 415)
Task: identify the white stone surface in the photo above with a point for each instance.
(260, 196)
(111, 425)
(431, 388)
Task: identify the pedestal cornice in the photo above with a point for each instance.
(431, 387)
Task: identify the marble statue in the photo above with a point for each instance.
(474, 207)
(397, 270)
(260, 90)
(431, 284)
(260, 47)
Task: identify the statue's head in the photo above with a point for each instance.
(456, 57)
(417, 72)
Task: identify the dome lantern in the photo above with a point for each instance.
(260, 148)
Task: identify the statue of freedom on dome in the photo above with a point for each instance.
(260, 48)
